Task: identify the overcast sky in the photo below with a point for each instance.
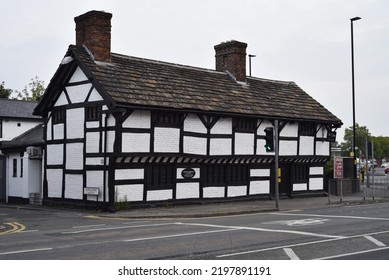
(305, 41)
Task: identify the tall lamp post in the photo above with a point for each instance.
(353, 92)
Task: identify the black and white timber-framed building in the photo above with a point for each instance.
(146, 131)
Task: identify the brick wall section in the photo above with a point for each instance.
(93, 29)
(231, 57)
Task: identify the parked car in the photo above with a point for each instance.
(387, 170)
(385, 164)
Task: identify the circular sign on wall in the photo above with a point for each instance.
(188, 173)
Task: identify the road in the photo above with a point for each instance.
(333, 232)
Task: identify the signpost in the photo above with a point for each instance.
(338, 174)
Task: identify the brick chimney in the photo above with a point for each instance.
(93, 29)
(231, 57)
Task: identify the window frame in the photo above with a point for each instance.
(300, 173)
(92, 113)
(225, 175)
(15, 167)
(160, 176)
(58, 116)
(245, 125)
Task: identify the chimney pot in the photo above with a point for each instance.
(93, 30)
(231, 56)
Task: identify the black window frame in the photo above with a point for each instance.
(300, 173)
(307, 128)
(58, 116)
(15, 167)
(160, 176)
(21, 168)
(168, 119)
(246, 125)
(92, 113)
(225, 175)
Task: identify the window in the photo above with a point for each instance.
(245, 125)
(92, 113)
(14, 167)
(160, 176)
(21, 167)
(308, 129)
(300, 173)
(168, 119)
(1, 128)
(220, 175)
(59, 116)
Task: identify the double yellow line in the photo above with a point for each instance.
(15, 228)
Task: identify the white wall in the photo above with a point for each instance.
(14, 127)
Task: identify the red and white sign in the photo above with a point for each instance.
(338, 168)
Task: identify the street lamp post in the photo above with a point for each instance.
(353, 91)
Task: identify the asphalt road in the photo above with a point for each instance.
(334, 232)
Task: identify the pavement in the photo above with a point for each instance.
(217, 209)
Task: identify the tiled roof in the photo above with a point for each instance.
(17, 109)
(32, 137)
(141, 82)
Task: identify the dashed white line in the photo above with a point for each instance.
(291, 254)
(375, 241)
(26, 251)
(353, 253)
(114, 228)
(100, 225)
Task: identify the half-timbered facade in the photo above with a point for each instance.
(143, 131)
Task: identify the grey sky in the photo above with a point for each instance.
(306, 41)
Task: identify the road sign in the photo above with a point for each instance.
(338, 168)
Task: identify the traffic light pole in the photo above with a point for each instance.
(276, 153)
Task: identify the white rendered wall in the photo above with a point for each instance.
(73, 186)
(192, 123)
(300, 187)
(322, 148)
(222, 126)
(166, 140)
(259, 187)
(92, 142)
(188, 190)
(95, 179)
(75, 123)
(78, 94)
(233, 191)
(195, 145)
(78, 76)
(306, 145)
(58, 131)
(210, 192)
(138, 119)
(244, 143)
(136, 142)
(315, 184)
(54, 180)
(54, 154)
(13, 127)
(288, 148)
(289, 130)
(75, 156)
(220, 146)
(129, 193)
(159, 195)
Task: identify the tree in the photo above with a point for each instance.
(4, 92)
(361, 134)
(35, 90)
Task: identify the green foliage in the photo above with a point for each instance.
(5, 93)
(34, 92)
(381, 143)
(361, 134)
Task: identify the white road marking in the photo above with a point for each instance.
(303, 222)
(100, 225)
(375, 241)
(291, 254)
(354, 253)
(178, 235)
(329, 216)
(266, 230)
(298, 244)
(114, 228)
(26, 251)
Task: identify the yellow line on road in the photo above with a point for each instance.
(16, 227)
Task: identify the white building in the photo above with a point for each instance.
(145, 131)
(16, 118)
